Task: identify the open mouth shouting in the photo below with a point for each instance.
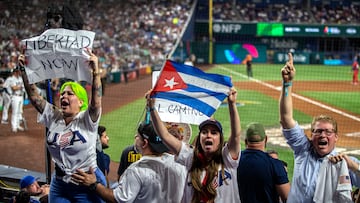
(208, 144)
(64, 104)
(322, 143)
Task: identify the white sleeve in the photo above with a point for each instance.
(128, 188)
(185, 156)
(229, 161)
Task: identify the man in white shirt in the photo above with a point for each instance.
(151, 179)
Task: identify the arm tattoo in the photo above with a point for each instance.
(98, 90)
(39, 104)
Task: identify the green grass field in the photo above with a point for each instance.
(253, 106)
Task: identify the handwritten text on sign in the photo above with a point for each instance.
(58, 53)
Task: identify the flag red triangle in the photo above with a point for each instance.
(169, 79)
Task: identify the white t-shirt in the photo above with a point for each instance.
(71, 146)
(225, 192)
(152, 179)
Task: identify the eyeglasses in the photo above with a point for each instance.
(328, 132)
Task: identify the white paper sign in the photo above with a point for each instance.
(59, 53)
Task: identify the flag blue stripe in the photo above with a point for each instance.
(187, 100)
(219, 96)
(209, 99)
(201, 74)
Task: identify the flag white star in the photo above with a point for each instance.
(170, 83)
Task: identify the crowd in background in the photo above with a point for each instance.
(344, 12)
(125, 32)
(146, 31)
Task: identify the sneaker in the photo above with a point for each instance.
(14, 130)
(4, 122)
(20, 128)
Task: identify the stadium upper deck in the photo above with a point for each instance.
(293, 11)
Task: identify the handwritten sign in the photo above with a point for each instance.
(59, 53)
(171, 111)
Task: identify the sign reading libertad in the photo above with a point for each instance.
(58, 53)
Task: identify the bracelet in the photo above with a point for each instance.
(151, 108)
(92, 186)
(21, 68)
(285, 86)
(96, 73)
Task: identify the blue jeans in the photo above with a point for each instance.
(61, 192)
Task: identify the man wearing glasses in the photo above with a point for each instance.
(315, 178)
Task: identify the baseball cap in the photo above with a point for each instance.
(146, 130)
(212, 122)
(26, 181)
(255, 132)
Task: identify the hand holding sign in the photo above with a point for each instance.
(59, 53)
(93, 62)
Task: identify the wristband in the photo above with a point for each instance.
(151, 108)
(21, 68)
(92, 186)
(285, 86)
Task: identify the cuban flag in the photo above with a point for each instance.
(186, 94)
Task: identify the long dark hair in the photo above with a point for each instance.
(205, 190)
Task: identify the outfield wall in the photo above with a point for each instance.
(312, 44)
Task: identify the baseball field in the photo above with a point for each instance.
(317, 89)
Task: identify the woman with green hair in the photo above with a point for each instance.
(72, 133)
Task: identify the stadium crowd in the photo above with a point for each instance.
(146, 31)
(342, 12)
(134, 29)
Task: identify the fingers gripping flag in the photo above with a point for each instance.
(186, 94)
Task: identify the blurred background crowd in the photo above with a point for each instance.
(143, 32)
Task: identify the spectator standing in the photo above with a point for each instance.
(154, 178)
(311, 168)
(261, 178)
(211, 163)
(72, 134)
(128, 156)
(102, 159)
